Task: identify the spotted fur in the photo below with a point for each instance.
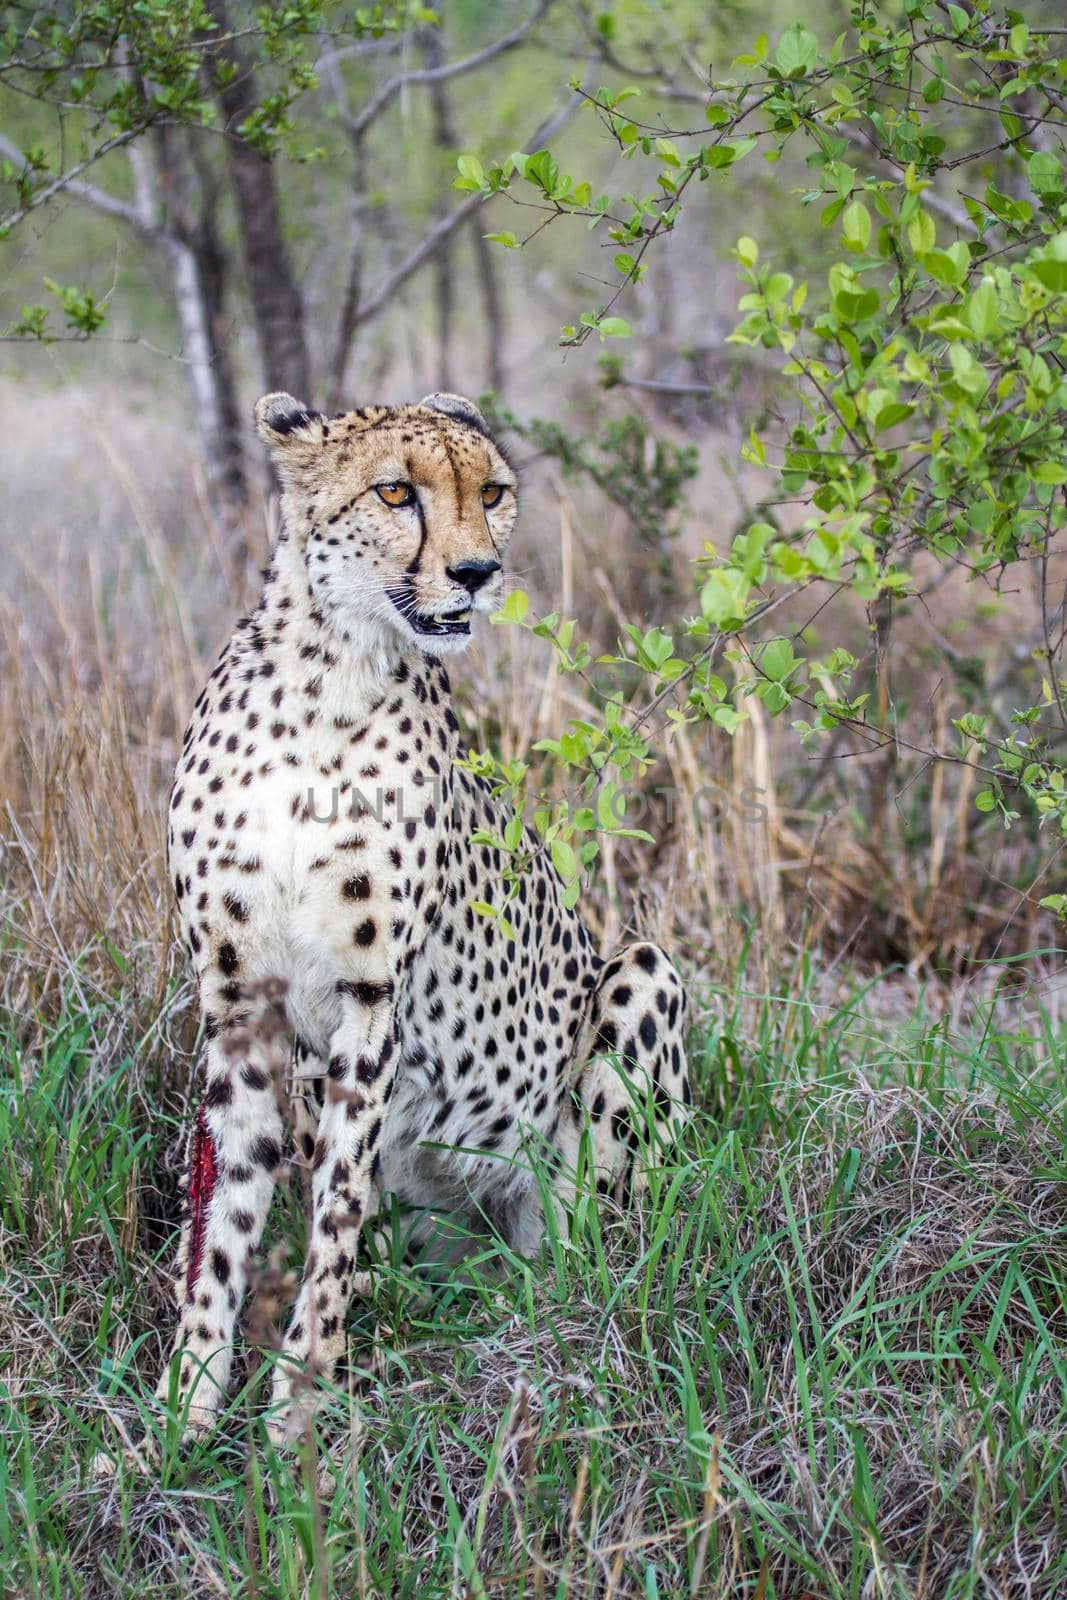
(320, 834)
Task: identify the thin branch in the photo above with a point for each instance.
(443, 230)
(660, 386)
(931, 199)
(357, 126)
(84, 191)
(369, 47)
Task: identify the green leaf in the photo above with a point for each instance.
(728, 718)
(775, 697)
(777, 287)
(471, 173)
(777, 659)
(507, 239)
(724, 597)
(610, 807)
(797, 52)
(513, 833)
(949, 267)
(614, 328)
(891, 413)
(1045, 173)
(514, 608)
(982, 310)
(986, 800)
(922, 233)
(1050, 267)
(564, 859)
(970, 374)
(856, 225)
(959, 253)
(852, 305)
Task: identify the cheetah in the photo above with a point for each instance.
(320, 834)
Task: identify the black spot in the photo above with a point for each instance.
(607, 1036)
(368, 994)
(266, 1152)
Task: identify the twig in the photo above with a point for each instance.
(443, 230)
(67, 179)
(357, 126)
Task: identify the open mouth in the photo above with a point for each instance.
(452, 622)
(435, 624)
(458, 623)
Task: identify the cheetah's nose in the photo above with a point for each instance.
(472, 574)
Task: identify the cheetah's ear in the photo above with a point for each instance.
(291, 432)
(456, 405)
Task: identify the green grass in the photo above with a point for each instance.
(826, 1355)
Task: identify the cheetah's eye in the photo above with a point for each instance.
(492, 494)
(396, 494)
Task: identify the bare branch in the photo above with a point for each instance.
(443, 230)
(136, 217)
(369, 47)
(357, 126)
(84, 191)
(661, 386)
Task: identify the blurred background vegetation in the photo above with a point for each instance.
(284, 217)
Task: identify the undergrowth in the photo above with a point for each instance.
(824, 1356)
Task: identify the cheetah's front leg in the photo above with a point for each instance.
(360, 1077)
(634, 1084)
(234, 1153)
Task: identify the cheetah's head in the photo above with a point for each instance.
(403, 513)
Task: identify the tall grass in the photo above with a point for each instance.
(825, 1356)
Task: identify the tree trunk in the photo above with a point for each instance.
(489, 284)
(353, 290)
(210, 407)
(197, 269)
(276, 304)
(444, 139)
(213, 266)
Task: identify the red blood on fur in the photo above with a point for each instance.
(203, 1174)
